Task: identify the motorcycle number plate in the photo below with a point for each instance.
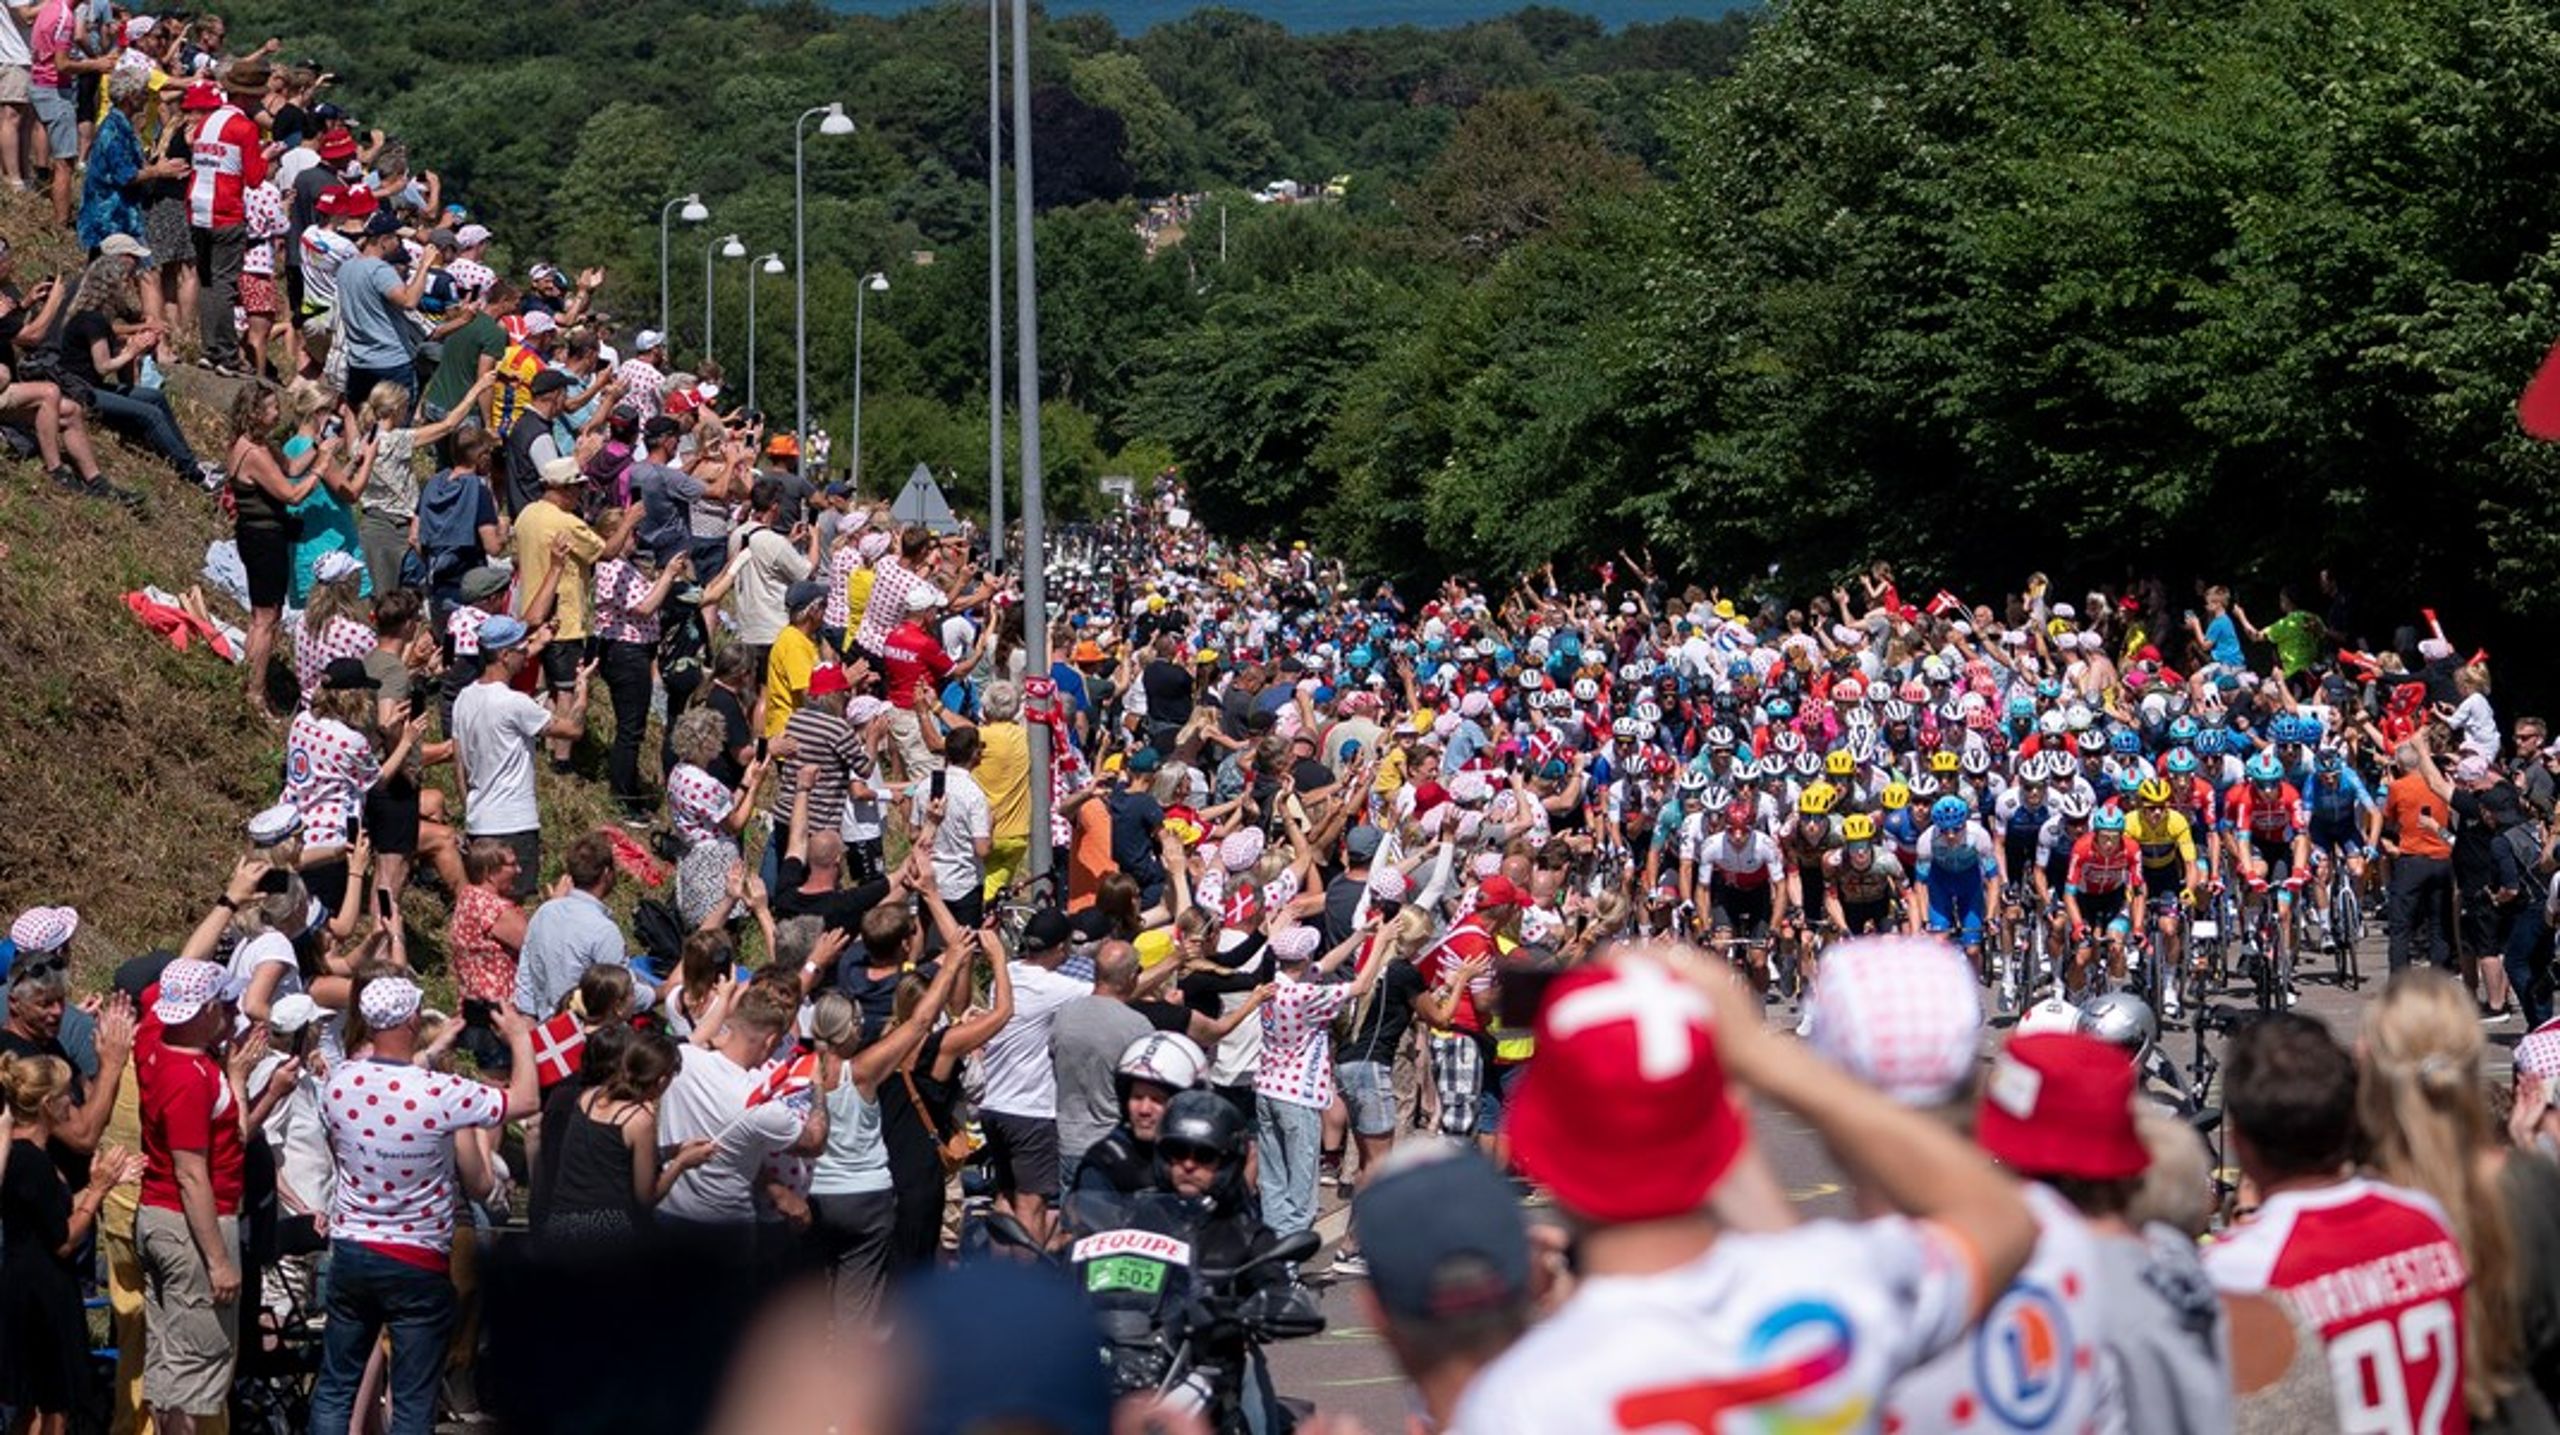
(1125, 1273)
(2208, 929)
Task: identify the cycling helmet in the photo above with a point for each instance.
(1692, 783)
(2077, 717)
(1648, 712)
(2021, 706)
(1738, 814)
(2032, 769)
(2182, 730)
(2154, 792)
(2309, 729)
(1977, 760)
(2264, 770)
(2109, 818)
(1624, 729)
(1632, 673)
(1787, 742)
(1859, 720)
(2330, 761)
(1644, 730)
(2210, 742)
(1839, 763)
(1944, 760)
(2053, 1016)
(1897, 711)
(1949, 812)
(1897, 796)
(1848, 690)
(1933, 668)
(2121, 1020)
(1858, 827)
(1779, 709)
(1817, 800)
(1720, 736)
(1585, 690)
(2051, 724)
(2049, 689)
(2182, 763)
(1924, 789)
(1169, 1059)
(2125, 742)
(2091, 742)
(1862, 746)
(2073, 807)
(1556, 769)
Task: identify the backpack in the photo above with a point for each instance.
(660, 932)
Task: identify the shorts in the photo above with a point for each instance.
(267, 555)
(2343, 837)
(2102, 908)
(1741, 910)
(1956, 905)
(1023, 1150)
(258, 295)
(560, 660)
(1866, 917)
(1369, 1093)
(2278, 857)
(1457, 1077)
(59, 113)
(191, 1343)
(16, 82)
(1247, 1107)
(1497, 1091)
(907, 735)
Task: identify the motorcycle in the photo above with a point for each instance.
(1188, 1334)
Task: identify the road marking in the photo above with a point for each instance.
(1363, 1380)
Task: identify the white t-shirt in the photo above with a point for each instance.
(2478, 724)
(708, 1099)
(1020, 1079)
(1809, 1324)
(496, 729)
(2036, 1362)
(299, 1134)
(392, 1127)
(267, 949)
(13, 41)
(967, 820)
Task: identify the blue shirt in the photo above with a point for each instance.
(375, 333)
(566, 936)
(2221, 635)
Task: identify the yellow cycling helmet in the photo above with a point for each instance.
(1944, 760)
(2154, 792)
(1839, 763)
(1858, 827)
(1817, 799)
(1897, 796)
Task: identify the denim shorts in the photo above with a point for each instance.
(1369, 1090)
(59, 112)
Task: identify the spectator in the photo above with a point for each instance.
(953, 808)
(188, 1234)
(1086, 1039)
(572, 932)
(45, 1220)
(852, 1200)
(1456, 1277)
(715, 1097)
(1020, 1109)
(495, 729)
(228, 155)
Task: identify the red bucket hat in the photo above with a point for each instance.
(1623, 1112)
(2061, 1104)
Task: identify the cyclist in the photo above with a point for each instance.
(2345, 824)
(2097, 893)
(2266, 833)
(1840, 769)
(2166, 841)
(1898, 826)
(1957, 866)
(1865, 888)
(1745, 887)
(1808, 840)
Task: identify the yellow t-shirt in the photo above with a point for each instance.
(535, 528)
(1004, 771)
(857, 592)
(1155, 947)
(786, 677)
(517, 368)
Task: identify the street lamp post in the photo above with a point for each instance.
(694, 213)
(770, 264)
(873, 283)
(726, 247)
(1026, 354)
(833, 123)
(995, 285)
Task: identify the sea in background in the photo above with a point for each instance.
(1132, 16)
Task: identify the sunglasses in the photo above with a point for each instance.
(36, 967)
(1186, 1152)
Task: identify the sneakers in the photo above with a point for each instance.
(1349, 1263)
(2169, 1002)
(2496, 1016)
(210, 476)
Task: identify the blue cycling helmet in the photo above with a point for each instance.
(2182, 730)
(1780, 709)
(2049, 689)
(2330, 761)
(2109, 818)
(2280, 728)
(1554, 770)
(2182, 762)
(2210, 742)
(2309, 728)
(1949, 812)
(1502, 654)
(2265, 769)
(1360, 657)
(2125, 741)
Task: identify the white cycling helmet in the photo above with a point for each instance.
(2050, 722)
(2072, 806)
(2049, 1017)
(2077, 717)
(1169, 1059)
(1585, 690)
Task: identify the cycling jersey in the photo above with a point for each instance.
(1751, 862)
(2269, 818)
(1880, 880)
(2162, 835)
(2101, 870)
(1946, 859)
(2337, 805)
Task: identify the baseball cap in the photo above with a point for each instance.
(1442, 1233)
(1387, 884)
(646, 340)
(2537, 1055)
(1145, 760)
(124, 246)
(827, 678)
(442, 239)
(274, 824)
(1363, 842)
(539, 321)
(500, 632)
(549, 381)
(483, 582)
(1623, 1113)
(389, 1001)
(659, 427)
(1004, 1344)
(187, 987)
(2061, 1104)
(562, 472)
(290, 1014)
(332, 566)
(1900, 1014)
(383, 222)
(1047, 928)
(43, 929)
(1500, 891)
(803, 593)
(347, 675)
(471, 235)
(923, 597)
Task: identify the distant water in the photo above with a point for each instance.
(1133, 16)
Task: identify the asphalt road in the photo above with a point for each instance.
(1347, 1370)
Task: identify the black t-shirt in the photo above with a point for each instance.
(1135, 820)
(1168, 688)
(1235, 710)
(734, 734)
(1164, 1016)
(1389, 1012)
(307, 188)
(12, 322)
(842, 909)
(74, 1165)
(1341, 899)
(1311, 775)
(80, 333)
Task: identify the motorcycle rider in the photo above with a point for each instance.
(1153, 1070)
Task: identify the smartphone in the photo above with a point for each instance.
(476, 1012)
(934, 786)
(382, 904)
(762, 745)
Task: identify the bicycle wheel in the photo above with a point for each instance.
(2348, 917)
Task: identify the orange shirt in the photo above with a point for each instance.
(2408, 796)
(1089, 858)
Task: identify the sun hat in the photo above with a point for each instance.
(500, 632)
(2061, 1104)
(275, 824)
(43, 929)
(187, 987)
(389, 1002)
(1900, 1014)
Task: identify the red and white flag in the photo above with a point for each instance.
(785, 1080)
(559, 1048)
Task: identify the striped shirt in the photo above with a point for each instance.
(828, 742)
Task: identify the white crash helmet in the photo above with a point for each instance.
(1586, 690)
(1169, 1059)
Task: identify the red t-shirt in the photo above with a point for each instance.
(2375, 1269)
(186, 1106)
(912, 656)
(1466, 942)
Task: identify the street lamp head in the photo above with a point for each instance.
(730, 248)
(837, 121)
(773, 264)
(878, 283)
(694, 211)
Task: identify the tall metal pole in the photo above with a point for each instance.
(707, 251)
(996, 516)
(1026, 298)
(861, 291)
(751, 334)
(799, 289)
(664, 212)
